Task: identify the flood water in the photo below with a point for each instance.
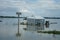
(9, 28)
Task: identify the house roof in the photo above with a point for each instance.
(36, 17)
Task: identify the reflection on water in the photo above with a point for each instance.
(34, 27)
(54, 36)
(18, 38)
(8, 32)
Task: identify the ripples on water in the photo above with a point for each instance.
(8, 31)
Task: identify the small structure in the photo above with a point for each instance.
(36, 22)
(18, 13)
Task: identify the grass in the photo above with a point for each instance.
(50, 32)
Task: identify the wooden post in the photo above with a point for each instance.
(18, 13)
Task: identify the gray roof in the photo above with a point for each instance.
(36, 17)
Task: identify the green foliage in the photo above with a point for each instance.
(50, 32)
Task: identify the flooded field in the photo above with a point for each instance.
(9, 28)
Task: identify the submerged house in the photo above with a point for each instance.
(36, 23)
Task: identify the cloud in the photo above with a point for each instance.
(25, 10)
(31, 6)
(44, 4)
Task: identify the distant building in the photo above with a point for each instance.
(35, 22)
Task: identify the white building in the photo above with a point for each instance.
(36, 23)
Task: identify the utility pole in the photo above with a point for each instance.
(18, 13)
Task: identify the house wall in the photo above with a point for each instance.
(37, 24)
(31, 21)
(40, 24)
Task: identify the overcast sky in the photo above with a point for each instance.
(30, 7)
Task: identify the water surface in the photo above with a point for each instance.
(8, 30)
